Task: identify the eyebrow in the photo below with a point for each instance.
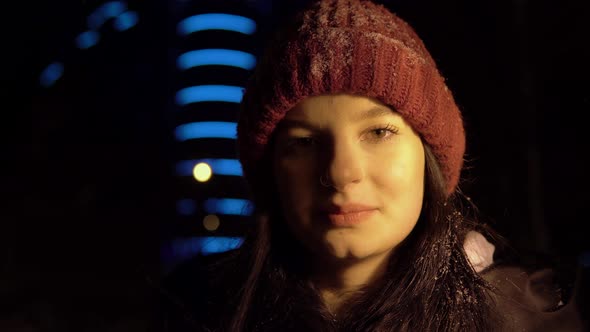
(292, 123)
(373, 112)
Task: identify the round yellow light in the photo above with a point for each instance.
(202, 172)
(211, 222)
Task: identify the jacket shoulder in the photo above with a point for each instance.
(532, 300)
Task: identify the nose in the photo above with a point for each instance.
(344, 164)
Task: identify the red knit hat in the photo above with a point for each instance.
(354, 47)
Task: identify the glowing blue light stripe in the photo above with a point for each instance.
(207, 129)
(232, 206)
(212, 21)
(87, 39)
(104, 12)
(221, 57)
(113, 8)
(204, 245)
(229, 167)
(126, 21)
(200, 93)
(212, 245)
(51, 74)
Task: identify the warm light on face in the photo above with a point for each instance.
(202, 172)
(374, 162)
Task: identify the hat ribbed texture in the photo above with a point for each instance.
(354, 47)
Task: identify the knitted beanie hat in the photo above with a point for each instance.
(355, 47)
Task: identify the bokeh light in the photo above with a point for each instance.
(211, 222)
(202, 172)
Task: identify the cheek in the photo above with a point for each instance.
(402, 180)
(295, 189)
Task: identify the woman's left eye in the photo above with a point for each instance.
(380, 133)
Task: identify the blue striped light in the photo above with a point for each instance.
(220, 57)
(126, 21)
(204, 245)
(51, 74)
(200, 93)
(104, 12)
(87, 39)
(232, 206)
(208, 129)
(229, 167)
(214, 21)
(112, 8)
(212, 245)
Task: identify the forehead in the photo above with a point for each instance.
(339, 107)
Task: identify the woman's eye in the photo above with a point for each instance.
(301, 142)
(298, 146)
(380, 133)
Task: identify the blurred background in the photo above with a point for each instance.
(119, 139)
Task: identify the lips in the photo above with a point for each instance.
(349, 214)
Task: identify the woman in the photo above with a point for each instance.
(353, 147)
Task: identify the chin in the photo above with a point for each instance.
(348, 251)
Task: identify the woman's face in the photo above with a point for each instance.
(373, 162)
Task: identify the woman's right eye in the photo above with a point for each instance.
(297, 145)
(303, 142)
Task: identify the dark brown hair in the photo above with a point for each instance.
(429, 285)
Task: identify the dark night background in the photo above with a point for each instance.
(88, 185)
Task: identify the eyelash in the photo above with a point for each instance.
(301, 141)
(392, 130)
